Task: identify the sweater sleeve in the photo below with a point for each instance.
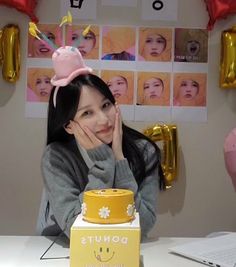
(67, 177)
(146, 194)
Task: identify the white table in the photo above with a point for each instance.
(25, 251)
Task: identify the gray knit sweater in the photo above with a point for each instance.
(66, 176)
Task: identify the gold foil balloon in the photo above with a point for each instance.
(167, 134)
(10, 52)
(1, 55)
(228, 58)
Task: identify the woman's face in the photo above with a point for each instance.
(118, 86)
(155, 44)
(43, 86)
(193, 47)
(42, 50)
(153, 88)
(97, 113)
(87, 44)
(189, 89)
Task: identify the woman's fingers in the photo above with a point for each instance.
(76, 129)
(117, 136)
(92, 137)
(118, 119)
(84, 136)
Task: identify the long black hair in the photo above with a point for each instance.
(65, 107)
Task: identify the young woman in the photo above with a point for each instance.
(154, 44)
(118, 86)
(153, 88)
(121, 84)
(88, 147)
(39, 84)
(189, 89)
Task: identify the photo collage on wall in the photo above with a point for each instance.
(154, 73)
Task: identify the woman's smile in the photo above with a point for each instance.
(105, 130)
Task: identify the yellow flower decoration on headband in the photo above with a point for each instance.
(33, 30)
(86, 31)
(66, 19)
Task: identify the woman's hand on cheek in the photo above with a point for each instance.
(117, 136)
(84, 136)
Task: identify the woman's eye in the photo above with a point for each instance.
(106, 105)
(146, 87)
(86, 113)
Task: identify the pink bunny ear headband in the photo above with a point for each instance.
(67, 60)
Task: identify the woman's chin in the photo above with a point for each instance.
(105, 139)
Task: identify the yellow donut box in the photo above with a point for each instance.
(107, 231)
(108, 206)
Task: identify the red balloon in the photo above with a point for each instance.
(219, 9)
(25, 6)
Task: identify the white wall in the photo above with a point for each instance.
(201, 201)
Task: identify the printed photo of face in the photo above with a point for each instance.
(43, 86)
(153, 88)
(188, 89)
(87, 44)
(42, 50)
(193, 47)
(155, 44)
(118, 86)
(39, 84)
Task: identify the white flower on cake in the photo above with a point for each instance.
(130, 210)
(83, 208)
(104, 212)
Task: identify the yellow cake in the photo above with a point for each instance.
(108, 206)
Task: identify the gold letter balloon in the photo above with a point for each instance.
(228, 58)
(10, 52)
(167, 134)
